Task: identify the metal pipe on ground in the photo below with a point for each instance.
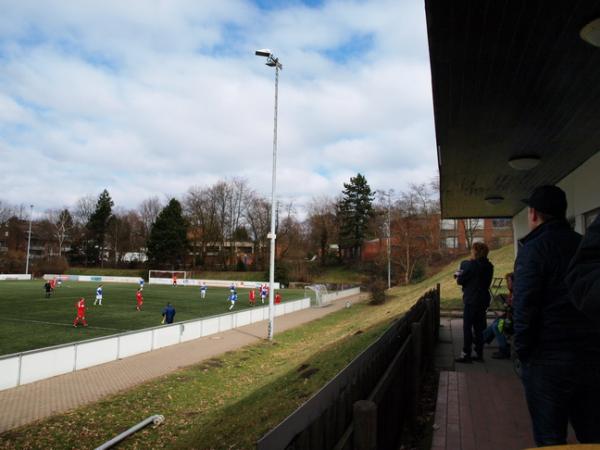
(156, 420)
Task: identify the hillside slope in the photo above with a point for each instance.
(502, 259)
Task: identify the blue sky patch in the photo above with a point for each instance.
(353, 48)
(269, 5)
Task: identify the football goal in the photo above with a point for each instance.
(168, 275)
(316, 293)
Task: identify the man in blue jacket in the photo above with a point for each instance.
(475, 277)
(559, 347)
(584, 274)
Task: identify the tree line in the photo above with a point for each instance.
(198, 229)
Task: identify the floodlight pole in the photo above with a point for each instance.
(388, 194)
(272, 61)
(29, 240)
(389, 237)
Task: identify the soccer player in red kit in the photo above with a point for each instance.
(80, 313)
(139, 299)
(174, 280)
(278, 298)
(252, 297)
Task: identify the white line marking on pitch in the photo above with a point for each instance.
(57, 323)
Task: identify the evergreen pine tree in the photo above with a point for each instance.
(97, 227)
(168, 241)
(355, 209)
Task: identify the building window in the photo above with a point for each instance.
(501, 223)
(451, 242)
(447, 224)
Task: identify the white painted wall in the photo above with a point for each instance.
(14, 277)
(582, 187)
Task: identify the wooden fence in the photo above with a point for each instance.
(368, 404)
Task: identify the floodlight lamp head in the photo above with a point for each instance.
(264, 52)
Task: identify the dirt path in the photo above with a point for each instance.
(36, 401)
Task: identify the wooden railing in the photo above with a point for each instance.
(368, 404)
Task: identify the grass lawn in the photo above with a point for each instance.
(338, 275)
(226, 402)
(30, 321)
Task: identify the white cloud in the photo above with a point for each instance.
(151, 98)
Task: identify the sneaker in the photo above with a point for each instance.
(500, 355)
(464, 359)
(478, 358)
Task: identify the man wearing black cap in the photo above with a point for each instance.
(558, 346)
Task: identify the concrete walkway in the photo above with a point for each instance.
(36, 401)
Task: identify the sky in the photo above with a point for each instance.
(151, 97)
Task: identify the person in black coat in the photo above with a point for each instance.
(475, 277)
(559, 347)
(583, 278)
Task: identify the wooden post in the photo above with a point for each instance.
(365, 425)
(415, 372)
(437, 312)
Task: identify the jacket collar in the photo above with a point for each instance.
(552, 224)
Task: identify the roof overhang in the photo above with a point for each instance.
(510, 78)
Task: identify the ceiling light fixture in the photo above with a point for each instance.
(524, 162)
(494, 199)
(591, 33)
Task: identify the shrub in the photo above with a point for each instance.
(377, 289)
(240, 266)
(53, 265)
(281, 274)
(12, 262)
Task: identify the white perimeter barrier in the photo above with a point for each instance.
(153, 280)
(210, 283)
(96, 278)
(35, 365)
(14, 277)
(328, 298)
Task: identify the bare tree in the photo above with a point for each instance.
(148, 211)
(6, 212)
(471, 226)
(258, 218)
(84, 208)
(322, 225)
(200, 209)
(62, 224)
(290, 234)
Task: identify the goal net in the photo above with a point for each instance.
(166, 276)
(316, 293)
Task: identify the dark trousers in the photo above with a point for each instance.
(560, 392)
(474, 323)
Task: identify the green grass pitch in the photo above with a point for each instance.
(30, 321)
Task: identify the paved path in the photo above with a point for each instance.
(36, 401)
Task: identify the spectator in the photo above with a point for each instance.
(168, 313)
(475, 277)
(583, 278)
(502, 325)
(559, 347)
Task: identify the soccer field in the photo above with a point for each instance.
(30, 321)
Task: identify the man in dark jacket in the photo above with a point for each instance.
(584, 274)
(558, 346)
(475, 277)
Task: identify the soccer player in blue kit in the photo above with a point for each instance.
(232, 298)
